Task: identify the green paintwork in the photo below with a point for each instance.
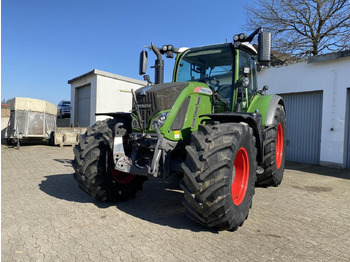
(235, 79)
(260, 103)
(176, 65)
(204, 107)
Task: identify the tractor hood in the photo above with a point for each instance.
(156, 98)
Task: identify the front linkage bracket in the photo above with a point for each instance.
(126, 164)
(121, 161)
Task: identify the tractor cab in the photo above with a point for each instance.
(233, 83)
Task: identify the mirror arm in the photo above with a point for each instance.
(252, 35)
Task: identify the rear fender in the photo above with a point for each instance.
(266, 105)
(274, 102)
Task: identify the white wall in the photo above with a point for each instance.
(114, 95)
(110, 93)
(333, 78)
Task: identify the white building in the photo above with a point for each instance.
(100, 92)
(317, 98)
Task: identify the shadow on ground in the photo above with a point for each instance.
(64, 187)
(65, 162)
(25, 143)
(158, 203)
(319, 170)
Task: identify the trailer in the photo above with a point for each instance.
(31, 119)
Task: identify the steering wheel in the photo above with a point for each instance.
(213, 86)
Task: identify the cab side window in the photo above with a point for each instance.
(246, 61)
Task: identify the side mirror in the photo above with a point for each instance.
(264, 48)
(143, 62)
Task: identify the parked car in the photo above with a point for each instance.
(63, 109)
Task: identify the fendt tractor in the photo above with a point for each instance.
(212, 124)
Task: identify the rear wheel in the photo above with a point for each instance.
(93, 166)
(219, 175)
(51, 140)
(274, 151)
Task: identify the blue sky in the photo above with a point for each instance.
(44, 43)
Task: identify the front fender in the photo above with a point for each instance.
(266, 106)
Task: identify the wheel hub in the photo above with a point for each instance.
(241, 176)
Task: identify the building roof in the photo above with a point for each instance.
(328, 57)
(106, 74)
(282, 59)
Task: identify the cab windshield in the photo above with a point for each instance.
(213, 66)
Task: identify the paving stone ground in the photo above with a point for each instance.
(45, 217)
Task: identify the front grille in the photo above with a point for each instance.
(147, 106)
(157, 98)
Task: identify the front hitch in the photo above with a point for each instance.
(127, 164)
(121, 161)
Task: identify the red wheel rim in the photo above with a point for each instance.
(279, 146)
(120, 177)
(241, 173)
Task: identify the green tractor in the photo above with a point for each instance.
(212, 124)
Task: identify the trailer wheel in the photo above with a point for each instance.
(10, 141)
(93, 166)
(219, 175)
(274, 151)
(51, 140)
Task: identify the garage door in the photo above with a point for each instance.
(83, 99)
(348, 121)
(304, 123)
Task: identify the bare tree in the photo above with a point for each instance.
(303, 27)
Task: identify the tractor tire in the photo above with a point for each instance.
(274, 151)
(93, 166)
(220, 175)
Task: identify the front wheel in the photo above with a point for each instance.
(219, 175)
(274, 151)
(93, 166)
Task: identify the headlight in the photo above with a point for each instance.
(159, 120)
